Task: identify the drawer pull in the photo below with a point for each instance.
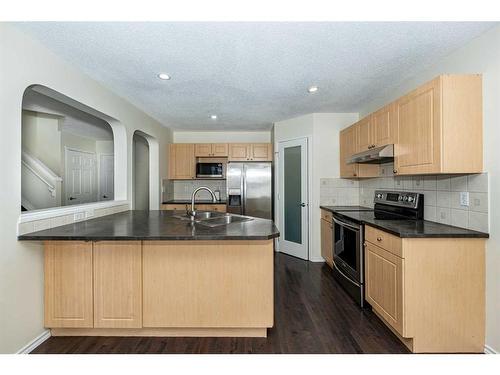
(379, 239)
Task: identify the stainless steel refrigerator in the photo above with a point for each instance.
(249, 189)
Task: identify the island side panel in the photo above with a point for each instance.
(208, 284)
(445, 294)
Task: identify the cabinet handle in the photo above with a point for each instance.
(395, 171)
(354, 174)
(364, 244)
(379, 239)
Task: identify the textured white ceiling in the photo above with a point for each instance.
(250, 74)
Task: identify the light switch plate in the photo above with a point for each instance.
(464, 198)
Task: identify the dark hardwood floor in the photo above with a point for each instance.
(313, 314)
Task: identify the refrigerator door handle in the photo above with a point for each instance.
(243, 190)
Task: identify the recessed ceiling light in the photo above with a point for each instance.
(312, 89)
(213, 117)
(164, 76)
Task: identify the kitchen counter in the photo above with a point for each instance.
(147, 273)
(154, 225)
(407, 228)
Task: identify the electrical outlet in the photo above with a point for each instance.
(79, 216)
(464, 198)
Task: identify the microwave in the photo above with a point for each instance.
(209, 170)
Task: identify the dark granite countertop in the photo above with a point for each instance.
(407, 228)
(154, 225)
(188, 201)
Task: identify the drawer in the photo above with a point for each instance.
(386, 241)
(211, 207)
(326, 215)
(174, 207)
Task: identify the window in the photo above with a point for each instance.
(67, 154)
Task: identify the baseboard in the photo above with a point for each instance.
(316, 259)
(33, 344)
(489, 350)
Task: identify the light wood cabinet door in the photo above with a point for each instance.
(384, 127)
(68, 284)
(364, 135)
(347, 149)
(419, 146)
(326, 242)
(117, 284)
(261, 152)
(182, 161)
(202, 149)
(239, 151)
(220, 149)
(384, 285)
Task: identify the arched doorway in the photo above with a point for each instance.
(145, 172)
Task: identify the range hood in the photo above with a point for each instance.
(378, 155)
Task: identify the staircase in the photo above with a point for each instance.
(40, 186)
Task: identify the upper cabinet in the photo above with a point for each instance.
(377, 129)
(440, 127)
(364, 138)
(437, 128)
(384, 126)
(182, 156)
(181, 159)
(348, 146)
(250, 152)
(211, 149)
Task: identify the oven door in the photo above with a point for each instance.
(347, 248)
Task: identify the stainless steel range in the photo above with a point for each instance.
(348, 234)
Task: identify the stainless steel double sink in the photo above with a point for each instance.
(213, 219)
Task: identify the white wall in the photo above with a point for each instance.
(322, 131)
(25, 62)
(482, 55)
(222, 137)
(41, 138)
(141, 173)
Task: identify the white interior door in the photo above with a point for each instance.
(293, 198)
(80, 177)
(106, 177)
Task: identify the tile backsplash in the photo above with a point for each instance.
(442, 202)
(182, 189)
(339, 192)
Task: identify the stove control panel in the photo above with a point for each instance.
(398, 198)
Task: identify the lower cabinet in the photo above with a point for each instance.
(202, 207)
(68, 284)
(429, 291)
(384, 284)
(93, 284)
(327, 241)
(118, 284)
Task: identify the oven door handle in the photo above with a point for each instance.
(344, 224)
(343, 274)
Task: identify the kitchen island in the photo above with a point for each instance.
(154, 273)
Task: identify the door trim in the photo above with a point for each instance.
(308, 211)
